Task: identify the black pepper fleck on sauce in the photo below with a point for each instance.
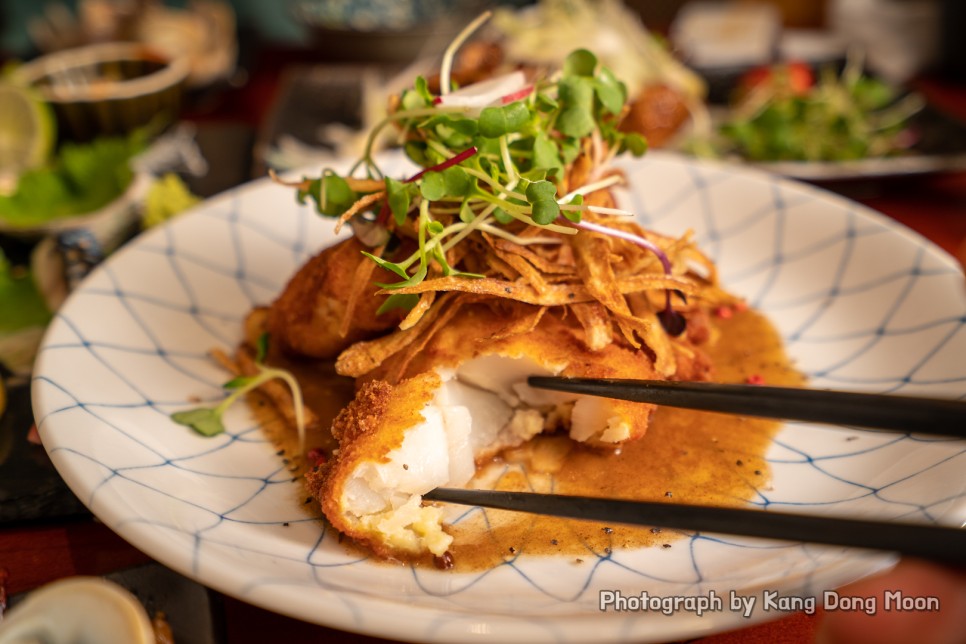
(739, 462)
(668, 494)
(607, 530)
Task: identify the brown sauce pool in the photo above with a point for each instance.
(685, 457)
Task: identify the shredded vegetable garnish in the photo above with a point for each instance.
(512, 208)
(494, 156)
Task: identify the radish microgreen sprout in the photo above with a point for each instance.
(493, 159)
(207, 421)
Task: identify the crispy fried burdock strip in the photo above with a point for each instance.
(525, 269)
(593, 256)
(594, 268)
(593, 318)
(524, 319)
(541, 263)
(448, 309)
(362, 357)
(365, 185)
(359, 206)
(425, 302)
(556, 295)
(649, 330)
(362, 275)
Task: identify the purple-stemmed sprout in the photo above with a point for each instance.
(448, 163)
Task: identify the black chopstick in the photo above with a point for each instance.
(944, 417)
(938, 543)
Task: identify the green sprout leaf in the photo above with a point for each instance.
(399, 199)
(416, 151)
(611, 93)
(389, 266)
(542, 198)
(466, 212)
(404, 301)
(331, 194)
(580, 62)
(634, 143)
(432, 186)
(501, 216)
(497, 121)
(458, 181)
(238, 382)
(546, 155)
(577, 97)
(546, 103)
(574, 215)
(203, 420)
(417, 97)
(416, 277)
(544, 212)
(261, 348)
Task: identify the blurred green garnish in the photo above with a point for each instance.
(21, 305)
(168, 196)
(841, 117)
(82, 178)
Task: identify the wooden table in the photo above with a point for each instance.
(31, 555)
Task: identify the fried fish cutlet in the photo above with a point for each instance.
(329, 304)
(463, 399)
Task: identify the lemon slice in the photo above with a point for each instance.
(27, 129)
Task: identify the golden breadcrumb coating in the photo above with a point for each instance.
(329, 304)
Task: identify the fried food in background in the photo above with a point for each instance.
(663, 91)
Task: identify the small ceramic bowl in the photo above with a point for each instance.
(108, 88)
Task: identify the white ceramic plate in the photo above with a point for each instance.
(861, 302)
